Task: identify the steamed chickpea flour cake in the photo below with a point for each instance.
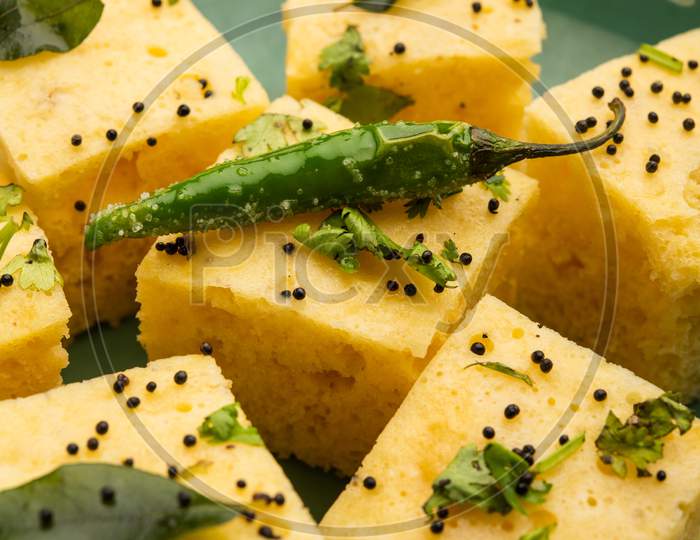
(418, 69)
(340, 367)
(484, 463)
(203, 436)
(375, 209)
(61, 116)
(34, 309)
(651, 174)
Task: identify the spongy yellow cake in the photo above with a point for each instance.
(136, 53)
(450, 407)
(454, 62)
(651, 188)
(150, 436)
(320, 376)
(33, 323)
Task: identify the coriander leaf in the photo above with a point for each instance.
(346, 60)
(242, 83)
(145, 506)
(367, 104)
(506, 467)
(28, 27)
(223, 426)
(467, 479)
(502, 368)
(417, 207)
(37, 270)
(639, 439)
(499, 186)
(10, 195)
(560, 454)
(541, 533)
(537, 494)
(333, 242)
(450, 251)
(661, 58)
(347, 232)
(273, 131)
(436, 270)
(376, 6)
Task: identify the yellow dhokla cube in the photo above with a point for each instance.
(558, 264)
(33, 324)
(456, 64)
(150, 436)
(136, 53)
(449, 407)
(320, 376)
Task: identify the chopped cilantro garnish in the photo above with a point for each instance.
(223, 426)
(450, 251)
(273, 131)
(37, 270)
(541, 533)
(242, 83)
(661, 58)
(419, 207)
(8, 228)
(348, 65)
(499, 186)
(346, 60)
(10, 195)
(348, 231)
(638, 440)
(488, 479)
(502, 368)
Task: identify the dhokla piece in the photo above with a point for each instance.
(138, 76)
(447, 76)
(34, 323)
(322, 358)
(145, 425)
(651, 177)
(451, 407)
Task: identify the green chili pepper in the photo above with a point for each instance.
(364, 166)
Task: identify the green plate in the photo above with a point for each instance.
(581, 35)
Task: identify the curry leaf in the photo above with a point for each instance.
(223, 426)
(502, 368)
(28, 27)
(638, 440)
(143, 506)
(37, 270)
